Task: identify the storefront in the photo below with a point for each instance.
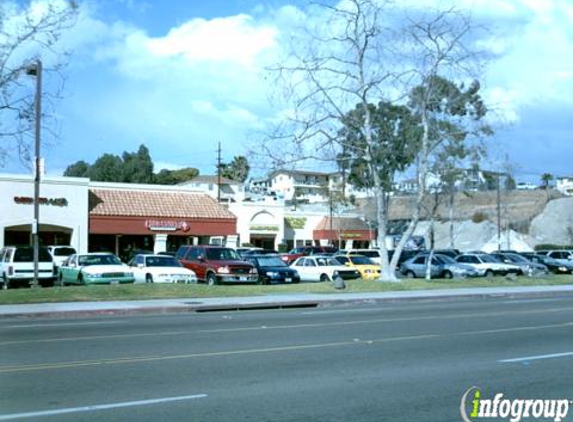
(260, 225)
(128, 218)
(63, 217)
(343, 232)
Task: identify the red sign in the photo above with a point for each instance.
(167, 225)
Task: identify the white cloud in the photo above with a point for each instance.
(236, 39)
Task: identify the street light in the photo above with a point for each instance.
(36, 70)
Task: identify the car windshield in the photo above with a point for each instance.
(161, 261)
(63, 251)
(103, 259)
(221, 254)
(361, 260)
(516, 258)
(370, 254)
(271, 261)
(327, 262)
(445, 259)
(489, 259)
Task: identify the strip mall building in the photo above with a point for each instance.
(120, 218)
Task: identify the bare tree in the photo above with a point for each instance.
(356, 58)
(28, 33)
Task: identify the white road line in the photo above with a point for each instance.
(538, 357)
(98, 407)
(61, 324)
(517, 301)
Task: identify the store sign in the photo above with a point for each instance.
(57, 202)
(167, 225)
(264, 228)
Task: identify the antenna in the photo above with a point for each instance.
(219, 173)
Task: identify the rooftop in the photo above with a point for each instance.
(108, 202)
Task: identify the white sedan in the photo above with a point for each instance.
(160, 269)
(318, 268)
(487, 265)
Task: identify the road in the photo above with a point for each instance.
(401, 361)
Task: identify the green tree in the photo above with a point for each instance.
(173, 177)
(546, 178)
(237, 170)
(107, 168)
(138, 166)
(78, 169)
(394, 144)
(29, 33)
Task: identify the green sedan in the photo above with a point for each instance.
(94, 268)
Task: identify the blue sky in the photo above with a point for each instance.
(180, 76)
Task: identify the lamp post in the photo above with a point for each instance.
(36, 70)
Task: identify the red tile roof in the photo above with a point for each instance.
(138, 203)
(341, 223)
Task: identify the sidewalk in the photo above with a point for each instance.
(71, 309)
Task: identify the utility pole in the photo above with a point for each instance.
(498, 213)
(36, 70)
(219, 173)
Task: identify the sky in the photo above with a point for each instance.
(182, 76)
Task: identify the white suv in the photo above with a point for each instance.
(17, 266)
(60, 253)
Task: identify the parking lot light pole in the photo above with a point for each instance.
(36, 70)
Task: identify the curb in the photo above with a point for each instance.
(262, 303)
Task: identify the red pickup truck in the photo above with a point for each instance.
(216, 264)
(295, 253)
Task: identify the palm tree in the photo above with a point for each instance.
(546, 178)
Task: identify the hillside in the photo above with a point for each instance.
(527, 218)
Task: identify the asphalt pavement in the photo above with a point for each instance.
(405, 360)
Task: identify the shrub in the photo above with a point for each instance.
(479, 217)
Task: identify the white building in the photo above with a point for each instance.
(231, 190)
(565, 185)
(63, 213)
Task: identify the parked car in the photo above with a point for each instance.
(60, 253)
(553, 265)
(443, 266)
(373, 254)
(217, 264)
(367, 268)
(160, 269)
(488, 264)
(296, 253)
(323, 268)
(246, 250)
(259, 252)
(272, 269)
(527, 266)
(561, 256)
(17, 266)
(94, 268)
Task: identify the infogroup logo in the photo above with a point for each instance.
(514, 410)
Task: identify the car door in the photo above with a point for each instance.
(418, 266)
(312, 269)
(67, 270)
(137, 265)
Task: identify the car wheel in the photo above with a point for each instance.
(211, 279)
(489, 273)
(324, 277)
(448, 274)
(5, 283)
(410, 274)
(148, 278)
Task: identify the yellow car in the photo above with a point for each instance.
(367, 268)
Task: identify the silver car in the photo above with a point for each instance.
(442, 267)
